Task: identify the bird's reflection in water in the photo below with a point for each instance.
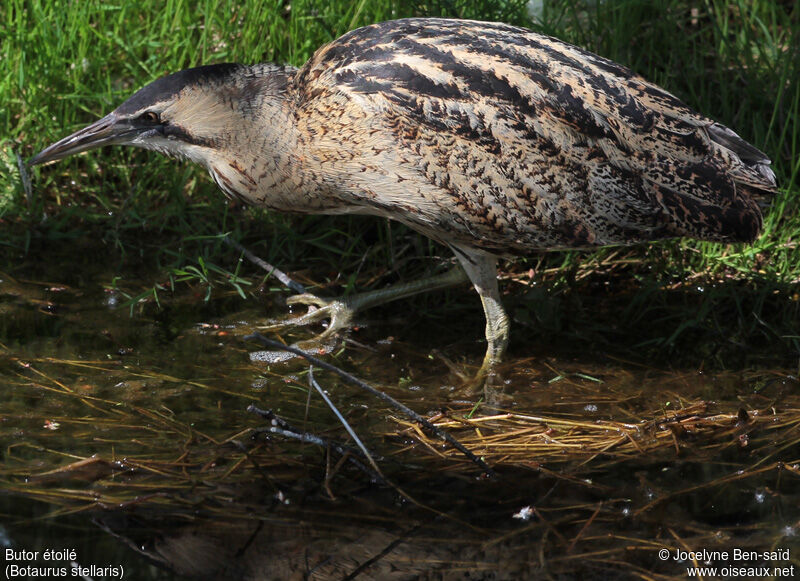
(374, 534)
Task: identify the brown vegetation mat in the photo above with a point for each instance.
(572, 496)
(524, 440)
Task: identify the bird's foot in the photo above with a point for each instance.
(338, 312)
(487, 382)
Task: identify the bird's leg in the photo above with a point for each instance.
(482, 271)
(341, 311)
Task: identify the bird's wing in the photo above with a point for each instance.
(642, 160)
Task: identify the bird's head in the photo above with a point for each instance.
(186, 114)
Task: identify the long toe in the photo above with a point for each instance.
(337, 312)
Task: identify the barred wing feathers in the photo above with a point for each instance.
(534, 143)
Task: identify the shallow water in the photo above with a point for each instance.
(126, 438)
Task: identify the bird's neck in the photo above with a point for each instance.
(276, 152)
(256, 160)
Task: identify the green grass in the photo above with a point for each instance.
(63, 66)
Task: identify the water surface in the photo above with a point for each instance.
(126, 438)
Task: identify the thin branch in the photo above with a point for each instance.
(377, 393)
(271, 270)
(283, 428)
(341, 418)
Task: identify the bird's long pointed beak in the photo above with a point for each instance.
(102, 132)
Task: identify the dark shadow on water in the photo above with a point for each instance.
(627, 429)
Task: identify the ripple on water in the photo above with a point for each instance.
(271, 356)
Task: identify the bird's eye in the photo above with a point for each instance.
(149, 117)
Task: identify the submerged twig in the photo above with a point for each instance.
(401, 538)
(283, 428)
(385, 397)
(271, 270)
(341, 418)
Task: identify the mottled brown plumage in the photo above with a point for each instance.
(489, 138)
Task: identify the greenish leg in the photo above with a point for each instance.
(482, 271)
(341, 311)
(476, 267)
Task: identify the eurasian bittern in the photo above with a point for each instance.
(491, 139)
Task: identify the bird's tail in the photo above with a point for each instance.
(749, 166)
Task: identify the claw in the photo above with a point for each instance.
(338, 312)
(308, 299)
